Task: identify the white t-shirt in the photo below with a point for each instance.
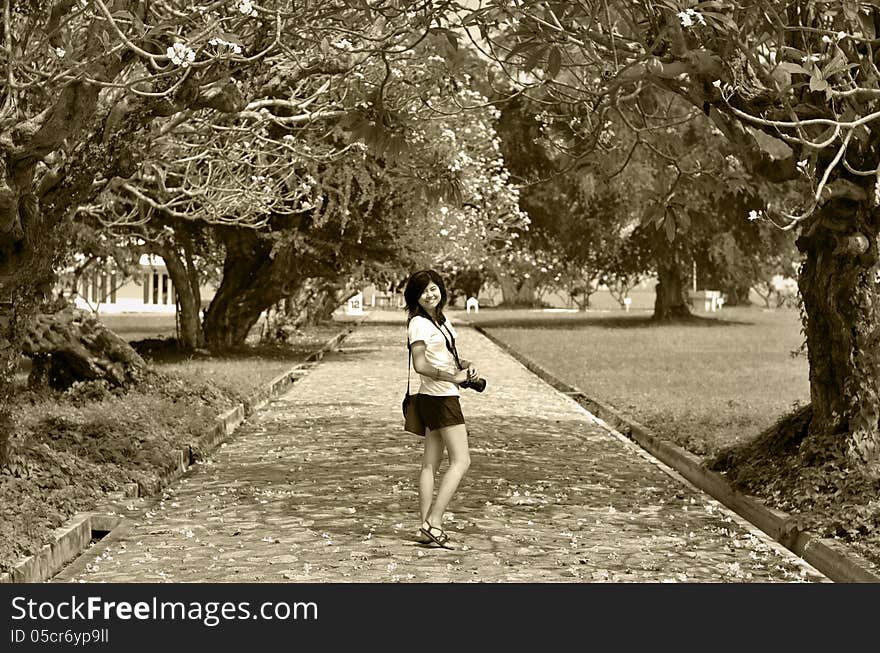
(436, 353)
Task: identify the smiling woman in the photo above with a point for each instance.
(431, 340)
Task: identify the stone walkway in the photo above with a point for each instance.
(320, 486)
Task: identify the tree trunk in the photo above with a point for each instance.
(763, 289)
(585, 287)
(620, 287)
(315, 300)
(737, 295)
(325, 302)
(670, 302)
(518, 292)
(186, 285)
(9, 357)
(582, 304)
(254, 278)
(234, 310)
(838, 284)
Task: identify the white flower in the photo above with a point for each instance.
(181, 54)
(811, 58)
(754, 215)
(343, 44)
(218, 42)
(841, 35)
(688, 16)
(717, 83)
(802, 165)
(247, 8)
(826, 39)
(60, 52)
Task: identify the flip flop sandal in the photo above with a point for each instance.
(440, 539)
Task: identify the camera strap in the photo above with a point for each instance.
(450, 347)
(408, 359)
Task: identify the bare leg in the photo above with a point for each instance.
(430, 464)
(456, 441)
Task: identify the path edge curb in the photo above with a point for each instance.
(73, 537)
(822, 553)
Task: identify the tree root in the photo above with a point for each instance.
(806, 474)
(775, 453)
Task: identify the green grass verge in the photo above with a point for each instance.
(139, 326)
(241, 372)
(703, 385)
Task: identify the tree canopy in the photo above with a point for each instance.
(794, 88)
(287, 118)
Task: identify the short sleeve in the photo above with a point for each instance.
(419, 329)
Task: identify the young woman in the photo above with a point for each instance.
(431, 337)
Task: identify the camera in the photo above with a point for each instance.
(476, 384)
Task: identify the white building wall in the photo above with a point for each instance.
(148, 291)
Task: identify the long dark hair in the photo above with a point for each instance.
(415, 286)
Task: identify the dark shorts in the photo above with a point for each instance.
(438, 412)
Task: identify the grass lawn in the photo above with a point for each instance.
(138, 326)
(703, 385)
(241, 373)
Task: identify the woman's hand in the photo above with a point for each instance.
(472, 372)
(460, 377)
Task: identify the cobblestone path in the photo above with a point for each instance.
(320, 486)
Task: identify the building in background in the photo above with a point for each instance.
(148, 290)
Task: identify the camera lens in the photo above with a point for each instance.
(477, 384)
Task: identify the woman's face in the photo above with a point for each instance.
(430, 297)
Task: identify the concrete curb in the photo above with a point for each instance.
(67, 542)
(826, 555)
(75, 535)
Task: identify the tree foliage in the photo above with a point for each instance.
(146, 116)
(793, 86)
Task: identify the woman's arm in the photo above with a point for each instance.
(423, 367)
